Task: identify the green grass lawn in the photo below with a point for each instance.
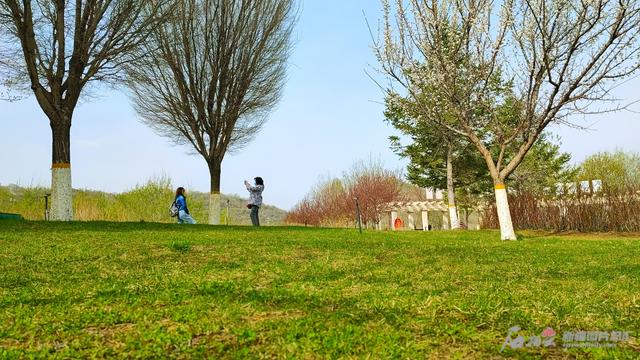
(149, 290)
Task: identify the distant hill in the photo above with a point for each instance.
(149, 202)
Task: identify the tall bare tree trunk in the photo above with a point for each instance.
(57, 47)
(214, 195)
(504, 214)
(451, 193)
(61, 190)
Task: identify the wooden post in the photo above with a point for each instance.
(358, 216)
(412, 223)
(46, 206)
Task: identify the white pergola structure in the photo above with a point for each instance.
(414, 207)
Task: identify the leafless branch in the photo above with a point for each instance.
(54, 48)
(556, 59)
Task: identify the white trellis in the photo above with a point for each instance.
(415, 207)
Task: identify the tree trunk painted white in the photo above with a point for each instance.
(61, 193)
(214, 208)
(453, 216)
(504, 215)
(451, 193)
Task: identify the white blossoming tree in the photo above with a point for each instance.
(508, 72)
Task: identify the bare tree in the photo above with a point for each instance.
(374, 186)
(55, 49)
(213, 73)
(508, 72)
(304, 213)
(332, 201)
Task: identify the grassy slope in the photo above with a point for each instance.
(149, 202)
(147, 290)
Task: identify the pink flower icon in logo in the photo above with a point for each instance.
(548, 332)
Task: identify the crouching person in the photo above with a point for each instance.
(183, 211)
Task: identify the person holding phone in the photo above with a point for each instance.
(255, 198)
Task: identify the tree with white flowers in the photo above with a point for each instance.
(508, 71)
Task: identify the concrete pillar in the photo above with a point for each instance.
(425, 220)
(394, 216)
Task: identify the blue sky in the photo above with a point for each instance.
(330, 116)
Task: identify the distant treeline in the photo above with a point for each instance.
(149, 202)
(610, 210)
(613, 206)
(332, 202)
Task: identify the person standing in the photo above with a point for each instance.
(183, 211)
(255, 198)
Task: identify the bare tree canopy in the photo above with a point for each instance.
(54, 48)
(213, 73)
(509, 69)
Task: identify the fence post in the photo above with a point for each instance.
(358, 217)
(46, 206)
